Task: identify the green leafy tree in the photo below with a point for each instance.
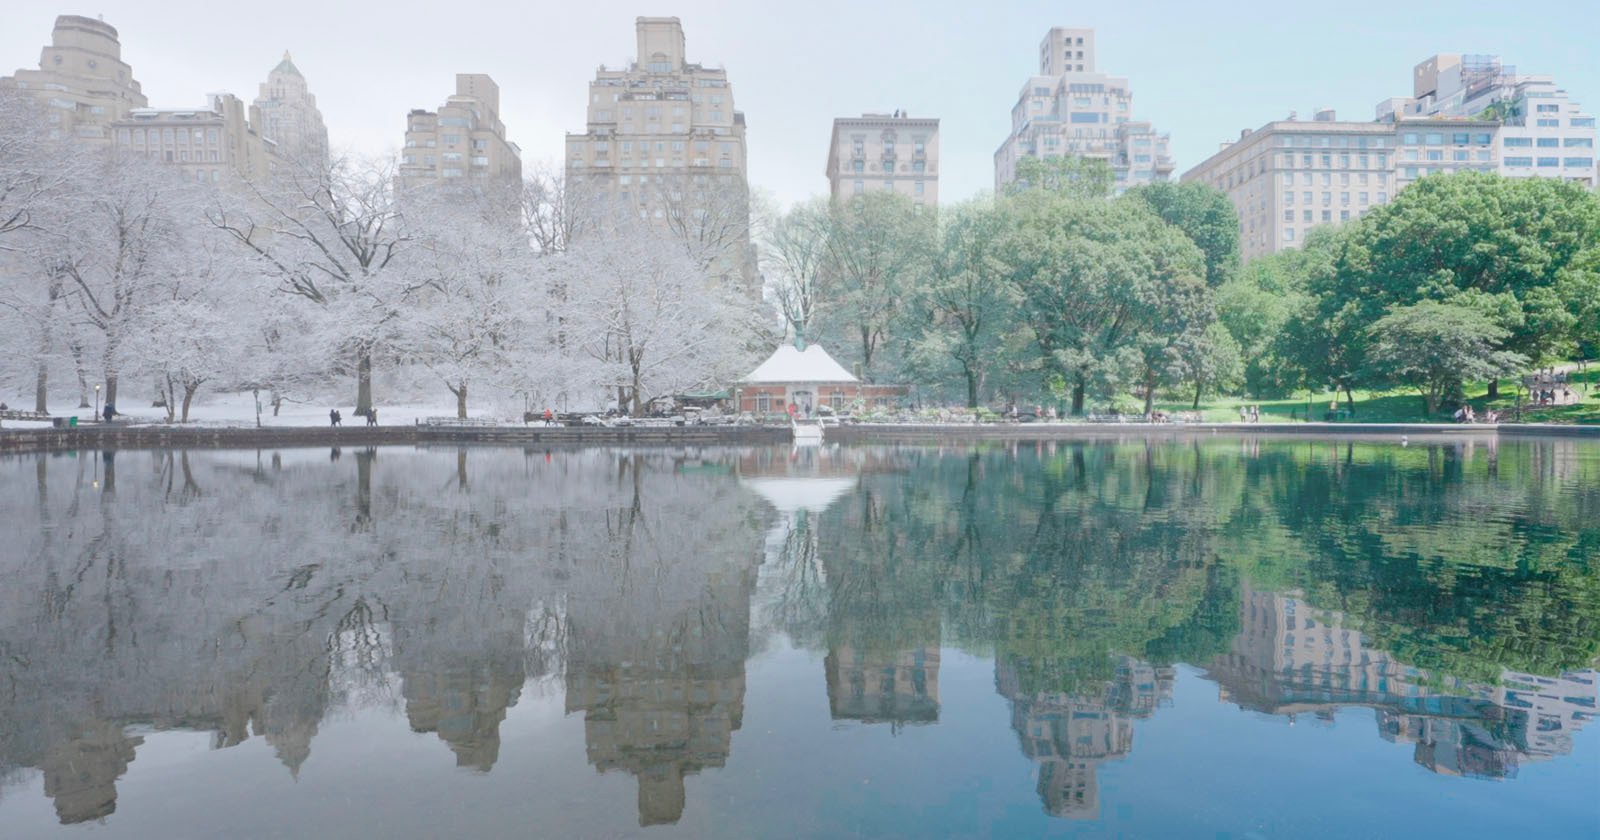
(1517, 248)
(967, 297)
(876, 243)
(1079, 177)
(1204, 214)
(1105, 287)
(1434, 347)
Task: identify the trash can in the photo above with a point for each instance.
(58, 422)
(72, 422)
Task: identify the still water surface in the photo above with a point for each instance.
(1231, 637)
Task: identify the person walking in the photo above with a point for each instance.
(333, 417)
(549, 417)
(372, 417)
(109, 412)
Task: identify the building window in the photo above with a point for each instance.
(860, 187)
(1288, 234)
(1579, 163)
(1515, 142)
(1548, 161)
(763, 403)
(919, 183)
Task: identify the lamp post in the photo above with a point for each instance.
(97, 401)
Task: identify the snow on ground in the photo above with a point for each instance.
(234, 410)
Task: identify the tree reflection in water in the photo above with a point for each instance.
(1453, 589)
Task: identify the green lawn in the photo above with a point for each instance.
(1406, 406)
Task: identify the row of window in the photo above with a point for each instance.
(858, 146)
(1550, 142)
(1306, 179)
(661, 163)
(1552, 162)
(1327, 198)
(1460, 138)
(1457, 154)
(916, 166)
(888, 186)
(156, 135)
(1310, 142)
(448, 157)
(1327, 160)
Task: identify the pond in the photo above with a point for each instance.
(1219, 637)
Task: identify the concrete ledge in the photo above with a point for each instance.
(203, 437)
(113, 436)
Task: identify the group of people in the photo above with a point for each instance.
(1465, 414)
(1249, 414)
(337, 419)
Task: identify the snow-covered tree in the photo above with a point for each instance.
(331, 235)
(122, 239)
(475, 308)
(652, 324)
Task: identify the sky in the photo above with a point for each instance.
(1200, 71)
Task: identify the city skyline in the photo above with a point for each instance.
(366, 85)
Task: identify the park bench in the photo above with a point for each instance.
(37, 416)
(455, 421)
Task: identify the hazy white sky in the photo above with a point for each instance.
(1199, 71)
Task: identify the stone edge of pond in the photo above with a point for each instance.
(161, 436)
(204, 437)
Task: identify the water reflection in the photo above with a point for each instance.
(1454, 590)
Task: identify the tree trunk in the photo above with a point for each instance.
(1199, 387)
(972, 389)
(169, 398)
(364, 383)
(188, 398)
(111, 387)
(461, 400)
(41, 389)
(83, 376)
(1494, 389)
(1149, 392)
(1350, 400)
(1077, 398)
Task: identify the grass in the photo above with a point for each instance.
(1406, 406)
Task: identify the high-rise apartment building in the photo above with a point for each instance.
(289, 115)
(1543, 133)
(206, 143)
(463, 139)
(89, 93)
(1467, 114)
(82, 79)
(885, 152)
(1070, 109)
(665, 142)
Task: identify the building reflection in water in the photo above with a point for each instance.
(1292, 659)
(881, 667)
(659, 631)
(1070, 734)
(231, 597)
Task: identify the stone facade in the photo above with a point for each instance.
(82, 79)
(665, 142)
(464, 138)
(1070, 109)
(289, 115)
(885, 152)
(1466, 114)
